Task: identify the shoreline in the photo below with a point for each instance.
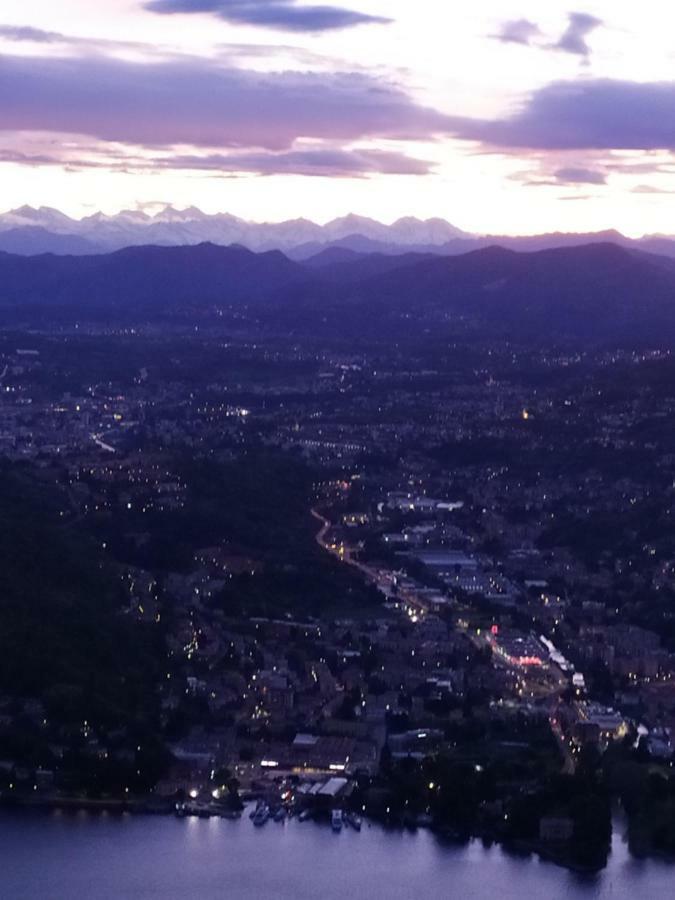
(559, 857)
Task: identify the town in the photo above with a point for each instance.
(430, 586)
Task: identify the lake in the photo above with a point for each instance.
(99, 856)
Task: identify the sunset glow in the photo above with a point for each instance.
(540, 118)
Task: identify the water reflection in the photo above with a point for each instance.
(62, 856)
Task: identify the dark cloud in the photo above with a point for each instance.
(285, 15)
(518, 31)
(579, 27)
(195, 102)
(584, 115)
(574, 175)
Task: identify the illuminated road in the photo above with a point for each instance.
(343, 553)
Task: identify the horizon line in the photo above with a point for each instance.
(162, 206)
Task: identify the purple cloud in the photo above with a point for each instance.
(518, 31)
(580, 26)
(584, 115)
(650, 189)
(27, 159)
(27, 33)
(578, 175)
(284, 15)
(323, 162)
(573, 39)
(197, 103)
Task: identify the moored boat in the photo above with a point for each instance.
(262, 814)
(353, 821)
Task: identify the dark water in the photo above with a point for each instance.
(80, 856)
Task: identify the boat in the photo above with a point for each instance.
(262, 814)
(336, 820)
(353, 821)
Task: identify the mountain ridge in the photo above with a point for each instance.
(30, 231)
(595, 292)
(170, 227)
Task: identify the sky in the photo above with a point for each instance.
(501, 116)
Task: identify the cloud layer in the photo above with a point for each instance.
(317, 161)
(187, 102)
(197, 103)
(285, 15)
(599, 114)
(334, 163)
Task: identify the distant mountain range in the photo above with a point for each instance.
(171, 227)
(596, 291)
(29, 232)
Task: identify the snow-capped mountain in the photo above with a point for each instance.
(169, 226)
(408, 231)
(27, 217)
(29, 232)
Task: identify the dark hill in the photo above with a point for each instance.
(146, 278)
(348, 266)
(587, 291)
